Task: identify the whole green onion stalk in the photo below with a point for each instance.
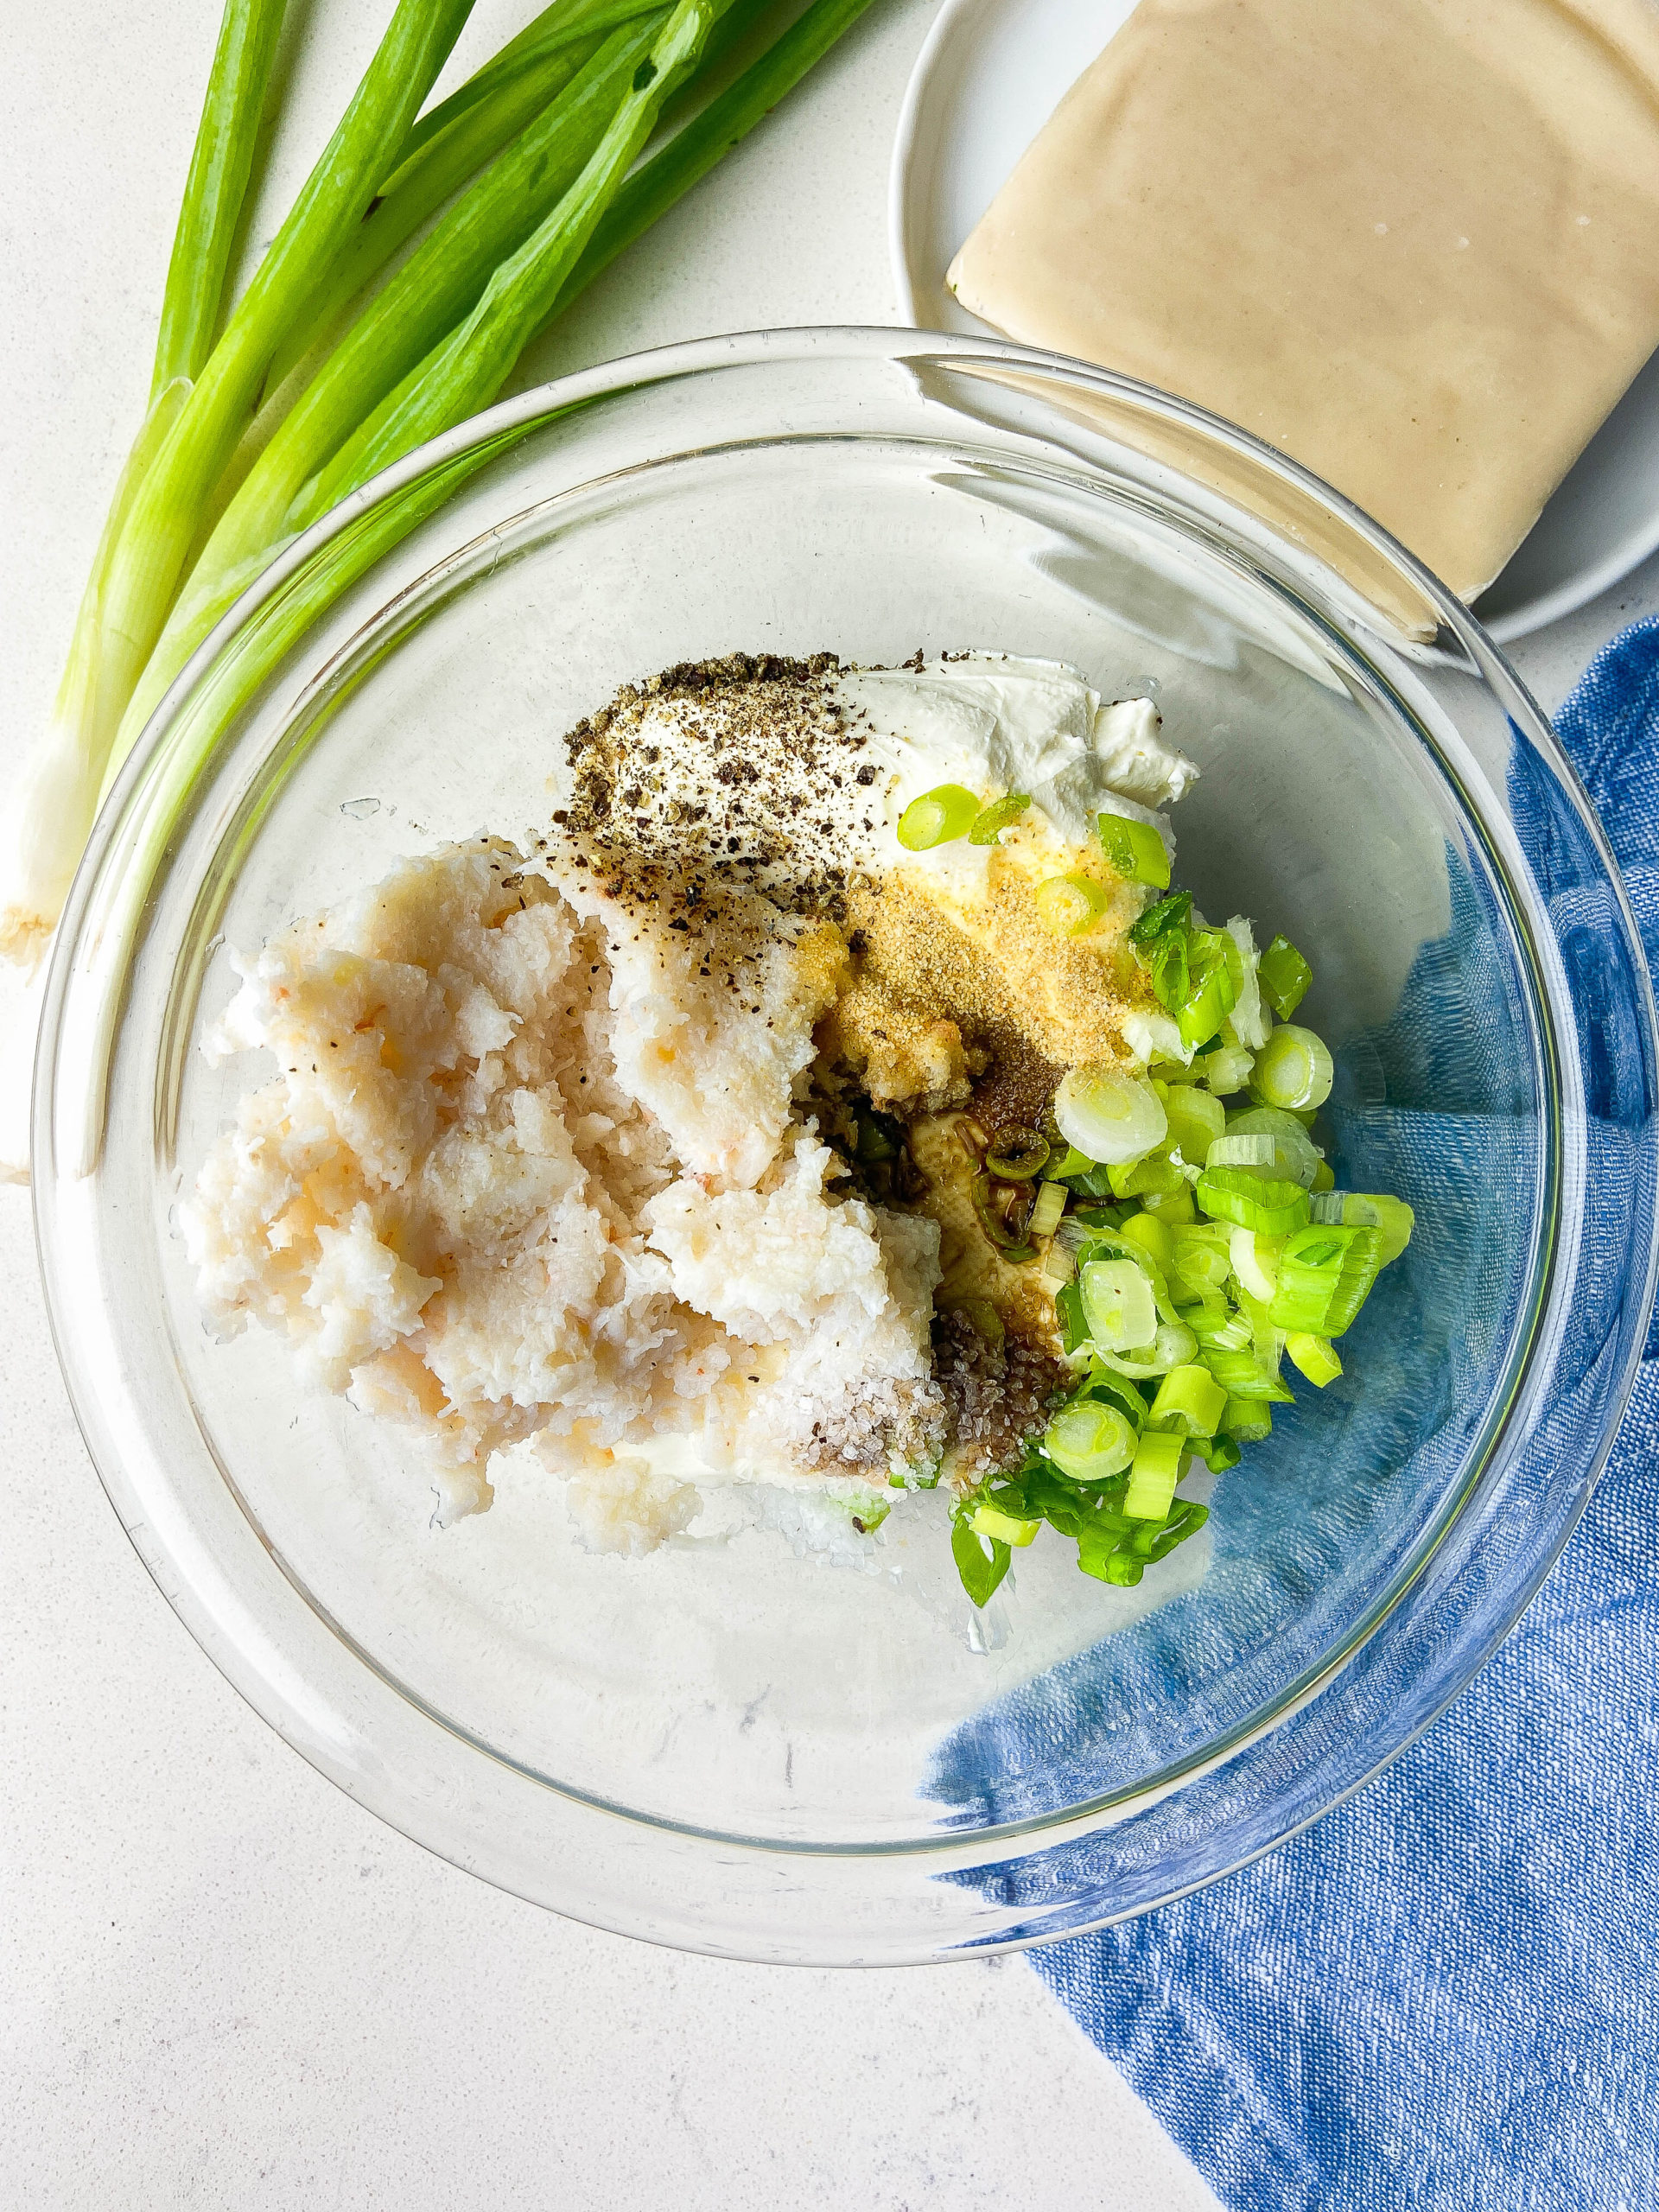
(138, 574)
(52, 811)
(318, 380)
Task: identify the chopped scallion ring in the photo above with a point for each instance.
(1392, 1219)
(1295, 1157)
(1149, 1233)
(1174, 1345)
(1314, 1357)
(1230, 1151)
(1046, 1213)
(1154, 1474)
(1190, 1401)
(1118, 1305)
(1212, 987)
(1003, 1528)
(1325, 1275)
(1112, 1117)
(991, 821)
(1284, 976)
(1018, 1156)
(1248, 1421)
(937, 817)
(1292, 1069)
(1134, 850)
(1197, 1118)
(1069, 905)
(1091, 1442)
(1255, 1262)
(1224, 1070)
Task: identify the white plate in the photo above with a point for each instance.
(988, 78)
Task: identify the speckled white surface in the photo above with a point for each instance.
(223, 1984)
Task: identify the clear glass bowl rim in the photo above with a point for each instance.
(949, 1856)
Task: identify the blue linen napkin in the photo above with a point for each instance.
(1446, 1995)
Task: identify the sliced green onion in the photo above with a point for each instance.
(991, 821)
(1200, 1255)
(1392, 1219)
(1169, 918)
(1248, 1421)
(1243, 1375)
(1069, 905)
(1323, 1178)
(979, 1313)
(1230, 1151)
(1292, 1069)
(1268, 1341)
(1113, 1390)
(1173, 1208)
(1254, 1261)
(1314, 1357)
(1018, 1156)
(1060, 1262)
(1156, 1176)
(937, 817)
(1050, 1206)
(982, 1561)
(1091, 1442)
(1174, 1345)
(1118, 1305)
(1248, 1023)
(1154, 1474)
(1153, 1238)
(1113, 1118)
(1009, 1242)
(1134, 850)
(1284, 976)
(1190, 1401)
(1003, 1528)
(1068, 1311)
(1217, 1326)
(1295, 1157)
(1112, 1244)
(1252, 1201)
(1218, 1452)
(1224, 1070)
(1121, 1569)
(1325, 1275)
(1212, 987)
(877, 1138)
(1197, 1118)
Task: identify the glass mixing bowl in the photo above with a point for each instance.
(736, 1748)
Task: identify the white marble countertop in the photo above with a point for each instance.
(224, 1984)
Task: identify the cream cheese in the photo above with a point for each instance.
(999, 724)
